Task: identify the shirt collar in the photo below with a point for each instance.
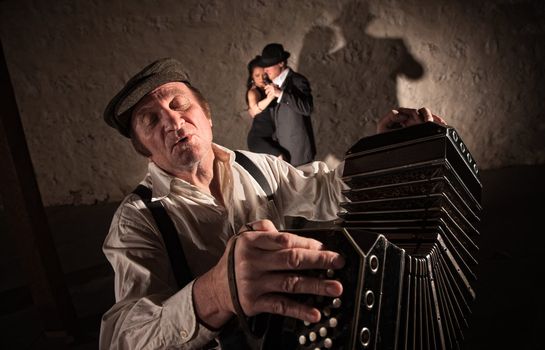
(279, 80)
(162, 181)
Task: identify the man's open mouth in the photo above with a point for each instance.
(182, 139)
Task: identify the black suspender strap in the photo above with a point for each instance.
(170, 236)
(257, 174)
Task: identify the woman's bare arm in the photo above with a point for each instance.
(256, 106)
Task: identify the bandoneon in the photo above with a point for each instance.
(409, 234)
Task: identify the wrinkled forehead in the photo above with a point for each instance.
(170, 89)
(164, 92)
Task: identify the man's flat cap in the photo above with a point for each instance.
(118, 112)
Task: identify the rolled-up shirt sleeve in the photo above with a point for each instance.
(150, 312)
(313, 191)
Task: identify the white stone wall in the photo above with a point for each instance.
(479, 64)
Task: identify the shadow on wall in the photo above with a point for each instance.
(353, 77)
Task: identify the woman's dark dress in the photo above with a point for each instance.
(260, 137)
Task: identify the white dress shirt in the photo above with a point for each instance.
(150, 312)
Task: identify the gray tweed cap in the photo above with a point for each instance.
(118, 112)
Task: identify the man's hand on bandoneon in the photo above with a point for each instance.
(403, 117)
(269, 267)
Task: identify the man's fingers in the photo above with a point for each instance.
(300, 259)
(267, 240)
(390, 120)
(425, 114)
(419, 116)
(403, 117)
(411, 113)
(283, 305)
(439, 120)
(259, 225)
(299, 284)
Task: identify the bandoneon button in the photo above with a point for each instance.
(312, 336)
(369, 299)
(336, 303)
(373, 263)
(365, 337)
(323, 332)
(326, 311)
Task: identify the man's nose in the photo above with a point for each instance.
(172, 120)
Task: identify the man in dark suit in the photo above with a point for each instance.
(294, 105)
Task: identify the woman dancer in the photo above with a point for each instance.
(260, 138)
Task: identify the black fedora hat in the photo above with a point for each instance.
(272, 54)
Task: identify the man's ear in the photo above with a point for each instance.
(211, 124)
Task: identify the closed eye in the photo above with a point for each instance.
(149, 120)
(180, 103)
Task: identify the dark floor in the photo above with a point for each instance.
(78, 233)
(509, 312)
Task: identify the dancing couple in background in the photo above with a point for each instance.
(280, 102)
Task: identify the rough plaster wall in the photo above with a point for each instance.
(477, 64)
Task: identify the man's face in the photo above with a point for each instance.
(173, 126)
(274, 71)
